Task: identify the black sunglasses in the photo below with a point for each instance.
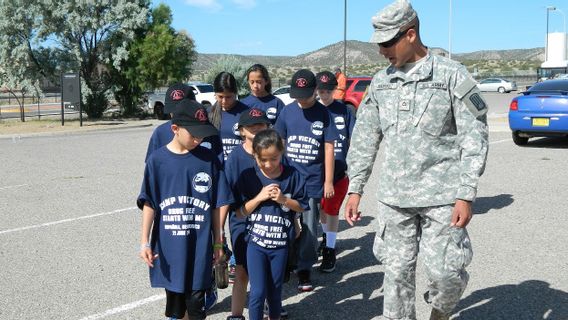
(395, 39)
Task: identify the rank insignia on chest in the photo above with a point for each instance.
(404, 105)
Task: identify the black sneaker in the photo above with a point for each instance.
(328, 261)
(304, 283)
(322, 244)
(235, 318)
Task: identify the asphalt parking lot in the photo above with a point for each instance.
(70, 231)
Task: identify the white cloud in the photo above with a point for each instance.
(245, 4)
(206, 4)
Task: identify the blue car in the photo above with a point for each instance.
(542, 111)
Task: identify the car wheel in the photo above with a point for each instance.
(518, 140)
(501, 90)
(159, 112)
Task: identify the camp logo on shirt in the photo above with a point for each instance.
(339, 123)
(317, 128)
(236, 129)
(285, 208)
(201, 182)
(271, 113)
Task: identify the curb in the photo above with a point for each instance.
(75, 131)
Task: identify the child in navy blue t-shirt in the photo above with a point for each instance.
(163, 134)
(270, 196)
(225, 113)
(306, 127)
(241, 159)
(343, 120)
(181, 194)
(261, 96)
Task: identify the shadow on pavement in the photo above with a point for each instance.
(549, 143)
(529, 300)
(340, 294)
(484, 204)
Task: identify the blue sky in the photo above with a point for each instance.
(292, 27)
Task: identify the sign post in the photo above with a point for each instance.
(71, 93)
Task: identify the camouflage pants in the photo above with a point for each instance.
(445, 250)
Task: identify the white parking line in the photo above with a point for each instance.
(14, 186)
(125, 307)
(499, 141)
(47, 224)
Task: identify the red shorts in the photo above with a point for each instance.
(332, 205)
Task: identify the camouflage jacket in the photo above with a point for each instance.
(433, 127)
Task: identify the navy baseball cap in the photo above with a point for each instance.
(192, 115)
(253, 116)
(303, 84)
(326, 80)
(177, 92)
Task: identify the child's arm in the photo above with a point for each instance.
(145, 250)
(249, 206)
(219, 216)
(288, 202)
(329, 161)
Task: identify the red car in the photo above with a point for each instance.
(356, 87)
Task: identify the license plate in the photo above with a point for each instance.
(540, 122)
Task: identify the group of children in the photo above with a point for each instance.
(266, 167)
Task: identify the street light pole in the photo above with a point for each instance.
(345, 38)
(548, 9)
(450, 33)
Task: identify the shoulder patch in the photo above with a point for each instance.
(475, 103)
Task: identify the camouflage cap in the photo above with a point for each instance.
(390, 19)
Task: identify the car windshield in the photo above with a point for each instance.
(550, 87)
(205, 88)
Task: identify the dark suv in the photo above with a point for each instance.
(356, 87)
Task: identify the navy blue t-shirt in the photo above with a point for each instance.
(229, 129)
(183, 190)
(269, 225)
(344, 121)
(163, 134)
(305, 132)
(269, 104)
(237, 162)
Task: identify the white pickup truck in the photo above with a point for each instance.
(204, 94)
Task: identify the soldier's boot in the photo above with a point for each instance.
(438, 315)
(328, 261)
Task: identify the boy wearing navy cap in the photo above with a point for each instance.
(305, 125)
(343, 120)
(181, 195)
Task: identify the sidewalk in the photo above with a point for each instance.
(15, 128)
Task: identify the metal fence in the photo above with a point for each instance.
(49, 104)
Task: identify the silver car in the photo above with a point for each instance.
(497, 85)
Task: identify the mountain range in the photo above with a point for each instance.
(362, 53)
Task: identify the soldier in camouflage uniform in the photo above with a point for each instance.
(427, 112)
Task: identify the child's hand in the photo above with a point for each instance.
(219, 255)
(266, 192)
(328, 190)
(148, 256)
(277, 196)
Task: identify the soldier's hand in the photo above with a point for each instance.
(352, 213)
(462, 213)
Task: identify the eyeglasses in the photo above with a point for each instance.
(395, 39)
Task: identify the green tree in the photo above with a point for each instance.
(51, 37)
(234, 66)
(157, 57)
